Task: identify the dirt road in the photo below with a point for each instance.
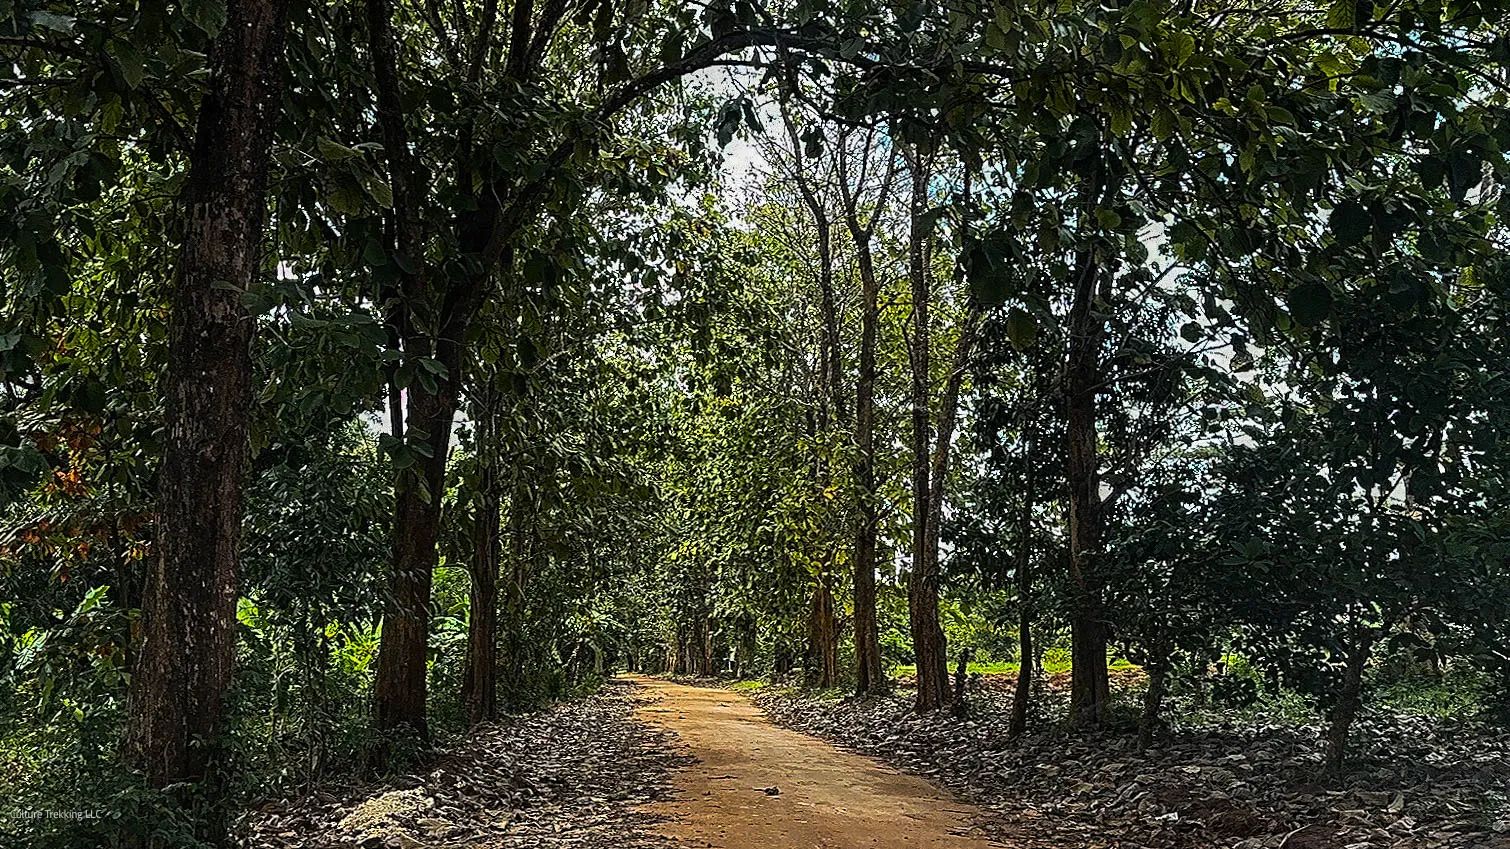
(757, 785)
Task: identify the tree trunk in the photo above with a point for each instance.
(705, 647)
(403, 653)
(1023, 692)
(184, 664)
(1153, 699)
(961, 679)
(515, 661)
(480, 686)
(868, 675)
(1089, 682)
(922, 584)
(482, 631)
(1349, 700)
(424, 422)
(823, 637)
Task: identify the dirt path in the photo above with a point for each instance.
(757, 785)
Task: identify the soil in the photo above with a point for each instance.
(756, 784)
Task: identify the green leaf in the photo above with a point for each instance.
(1350, 223)
(91, 600)
(1181, 47)
(812, 142)
(1022, 329)
(129, 60)
(346, 198)
(1121, 120)
(379, 190)
(332, 151)
(208, 15)
(1310, 303)
(987, 270)
(1163, 124)
(1342, 14)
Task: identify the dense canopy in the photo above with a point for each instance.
(371, 369)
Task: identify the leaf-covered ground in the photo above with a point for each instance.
(571, 777)
(1414, 784)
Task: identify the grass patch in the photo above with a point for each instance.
(1455, 695)
(1054, 663)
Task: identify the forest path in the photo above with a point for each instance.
(756, 784)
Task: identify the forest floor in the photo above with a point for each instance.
(577, 775)
(646, 763)
(1243, 781)
(643, 764)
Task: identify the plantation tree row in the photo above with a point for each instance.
(372, 366)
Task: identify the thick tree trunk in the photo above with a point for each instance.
(184, 664)
(404, 651)
(823, 637)
(1089, 682)
(1349, 700)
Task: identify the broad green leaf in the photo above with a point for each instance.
(1350, 223)
(1022, 329)
(1310, 303)
(208, 15)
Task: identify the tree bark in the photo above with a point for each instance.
(823, 637)
(1349, 700)
(1089, 681)
(823, 631)
(481, 689)
(1153, 698)
(1023, 691)
(869, 677)
(922, 585)
(404, 650)
(961, 680)
(425, 420)
(184, 664)
(520, 552)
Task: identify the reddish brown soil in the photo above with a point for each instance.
(757, 785)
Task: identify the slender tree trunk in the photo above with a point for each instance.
(482, 631)
(961, 681)
(705, 647)
(1153, 698)
(1089, 681)
(1349, 701)
(922, 585)
(516, 586)
(869, 677)
(480, 685)
(425, 420)
(184, 664)
(1022, 693)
